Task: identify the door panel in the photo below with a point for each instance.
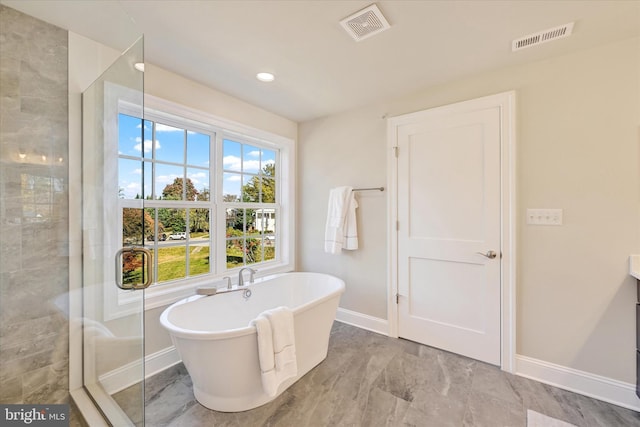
(449, 199)
(434, 287)
(430, 155)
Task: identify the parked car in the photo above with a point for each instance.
(178, 236)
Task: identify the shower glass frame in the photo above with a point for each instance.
(113, 349)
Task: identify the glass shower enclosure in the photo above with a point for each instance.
(114, 269)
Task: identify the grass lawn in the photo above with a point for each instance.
(172, 262)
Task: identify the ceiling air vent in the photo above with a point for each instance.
(365, 23)
(542, 37)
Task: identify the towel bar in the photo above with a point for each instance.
(367, 189)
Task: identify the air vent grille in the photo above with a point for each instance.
(365, 23)
(542, 37)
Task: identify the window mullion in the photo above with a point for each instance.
(184, 169)
(154, 196)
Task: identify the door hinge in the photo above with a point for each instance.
(397, 298)
(395, 151)
(397, 225)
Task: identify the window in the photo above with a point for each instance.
(249, 190)
(206, 196)
(169, 168)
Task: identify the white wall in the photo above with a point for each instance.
(347, 149)
(180, 90)
(577, 139)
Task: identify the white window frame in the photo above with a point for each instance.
(277, 206)
(117, 302)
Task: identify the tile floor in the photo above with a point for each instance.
(370, 380)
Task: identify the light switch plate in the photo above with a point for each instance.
(544, 216)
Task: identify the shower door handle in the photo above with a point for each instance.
(147, 267)
(489, 254)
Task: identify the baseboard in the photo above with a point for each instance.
(127, 375)
(363, 321)
(602, 388)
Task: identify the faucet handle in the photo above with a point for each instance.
(229, 286)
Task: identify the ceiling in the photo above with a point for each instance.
(319, 69)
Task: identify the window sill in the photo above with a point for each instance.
(163, 295)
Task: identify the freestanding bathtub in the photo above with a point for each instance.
(220, 349)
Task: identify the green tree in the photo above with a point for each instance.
(235, 219)
(174, 191)
(174, 219)
(261, 188)
(204, 195)
(133, 230)
(199, 220)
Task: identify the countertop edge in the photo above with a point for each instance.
(634, 266)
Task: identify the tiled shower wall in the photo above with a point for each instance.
(34, 272)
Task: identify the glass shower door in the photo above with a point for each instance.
(114, 262)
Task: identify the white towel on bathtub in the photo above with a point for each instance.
(276, 348)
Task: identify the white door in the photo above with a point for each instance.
(449, 229)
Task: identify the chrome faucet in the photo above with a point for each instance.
(241, 279)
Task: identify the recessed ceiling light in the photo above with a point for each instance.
(265, 77)
(139, 66)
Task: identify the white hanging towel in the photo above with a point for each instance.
(341, 231)
(276, 348)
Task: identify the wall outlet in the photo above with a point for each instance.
(544, 216)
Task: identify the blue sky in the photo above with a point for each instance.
(169, 147)
(238, 158)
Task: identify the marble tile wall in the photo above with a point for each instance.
(34, 273)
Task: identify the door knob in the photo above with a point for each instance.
(489, 254)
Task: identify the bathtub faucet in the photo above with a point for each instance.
(241, 279)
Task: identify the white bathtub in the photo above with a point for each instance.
(220, 350)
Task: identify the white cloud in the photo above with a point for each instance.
(166, 128)
(235, 163)
(251, 165)
(147, 145)
(137, 171)
(198, 175)
(254, 153)
(232, 162)
(232, 178)
(131, 190)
